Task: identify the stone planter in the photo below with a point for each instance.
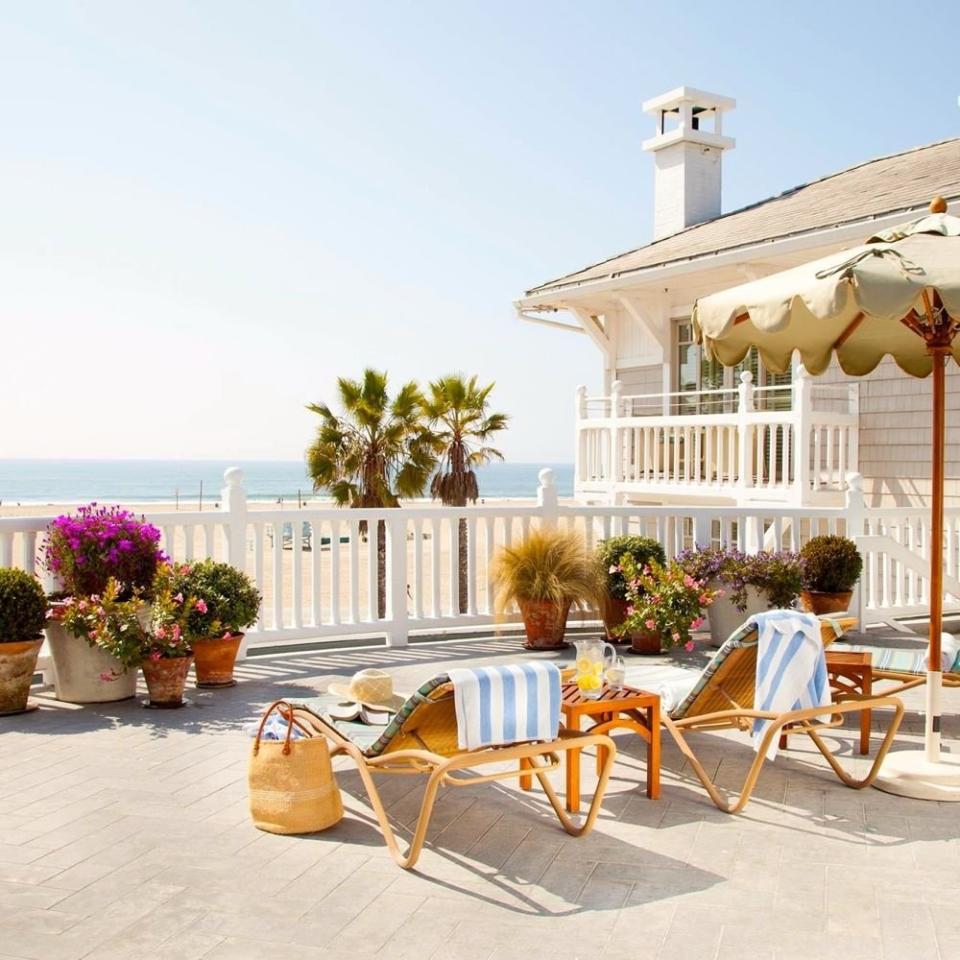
(545, 623)
(724, 617)
(166, 679)
(18, 661)
(820, 603)
(81, 670)
(214, 658)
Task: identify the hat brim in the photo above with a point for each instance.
(392, 703)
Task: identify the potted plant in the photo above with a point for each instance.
(546, 574)
(643, 551)
(664, 605)
(747, 584)
(831, 569)
(225, 603)
(85, 552)
(23, 613)
(131, 633)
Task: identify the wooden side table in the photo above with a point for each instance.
(626, 709)
(851, 678)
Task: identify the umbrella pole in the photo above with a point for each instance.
(934, 665)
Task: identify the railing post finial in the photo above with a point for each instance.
(547, 498)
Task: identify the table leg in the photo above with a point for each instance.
(573, 770)
(866, 689)
(526, 781)
(653, 752)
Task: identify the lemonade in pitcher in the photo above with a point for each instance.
(593, 658)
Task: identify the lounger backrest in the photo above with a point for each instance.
(729, 679)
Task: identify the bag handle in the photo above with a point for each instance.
(277, 705)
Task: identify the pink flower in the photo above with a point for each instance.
(107, 677)
(613, 568)
(676, 637)
(175, 632)
(227, 636)
(688, 646)
(650, 624)
(178, 598)
(705, 600)
(155, 655)
(201, 605)
(161, 633)
(697, 624)
(689, 582)
(629, 610)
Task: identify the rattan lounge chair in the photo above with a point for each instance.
(722, 698)
(422, 739)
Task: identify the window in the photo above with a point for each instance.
(695, 373)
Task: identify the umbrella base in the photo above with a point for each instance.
(911, 774)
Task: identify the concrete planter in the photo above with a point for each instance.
(81, 670)
(724, 617)
(18, 661)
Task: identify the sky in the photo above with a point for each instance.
(210, 211)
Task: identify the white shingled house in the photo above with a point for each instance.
(671, 426)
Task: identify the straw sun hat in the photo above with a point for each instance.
(372, 688)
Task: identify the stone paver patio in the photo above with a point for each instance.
(124, 833)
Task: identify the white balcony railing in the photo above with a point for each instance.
(792, 444)
(318, 573)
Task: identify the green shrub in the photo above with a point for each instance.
(643, 551)
(23, 606)
(226, 600)
(831, 564)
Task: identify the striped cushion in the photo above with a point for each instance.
(371, 740)
(906, 659)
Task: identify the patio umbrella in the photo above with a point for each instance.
(898, 294)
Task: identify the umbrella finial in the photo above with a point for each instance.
(938, 205)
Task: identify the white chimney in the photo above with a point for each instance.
(688, 151)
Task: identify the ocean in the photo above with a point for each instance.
(155, 481)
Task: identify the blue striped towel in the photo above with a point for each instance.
(791, 667)
(507, 704)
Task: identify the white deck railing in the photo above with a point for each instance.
(790, 444)
(319, 578)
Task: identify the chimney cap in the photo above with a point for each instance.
(699, 98)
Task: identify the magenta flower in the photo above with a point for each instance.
(201, 606)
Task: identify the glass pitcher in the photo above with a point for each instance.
(593, 658)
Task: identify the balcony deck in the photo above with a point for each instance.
(124, 834)
(781, 444)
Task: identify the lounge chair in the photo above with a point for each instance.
(903, 662)
(721, 697)
(422, 739)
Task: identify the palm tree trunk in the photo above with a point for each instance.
(381, 569)
(462, 549)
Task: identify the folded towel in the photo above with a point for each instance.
(791, 667)
(507, 704)
(670, 684)
(274, 729)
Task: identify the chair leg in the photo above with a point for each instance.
(408, 860)
(566, 821)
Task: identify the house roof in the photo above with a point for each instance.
(901, 181)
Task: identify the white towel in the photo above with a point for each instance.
(506, 704)
(670, 684)
(791, 667)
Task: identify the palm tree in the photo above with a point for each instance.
(373, 453)
(461, 426)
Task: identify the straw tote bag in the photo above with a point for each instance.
(292, 786)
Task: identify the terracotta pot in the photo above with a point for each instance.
(724, 617)
(214, 658)
(545, 623)
(818, 602)
(166, 679)
(614, 613)
(18, 661)
(80, 670)
(646, 641)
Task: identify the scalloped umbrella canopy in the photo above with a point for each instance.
(862, 303)
(898, 294)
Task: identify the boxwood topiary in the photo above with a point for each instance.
(644, 550)
(23, 606)
(230, 601)
(831, 564)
